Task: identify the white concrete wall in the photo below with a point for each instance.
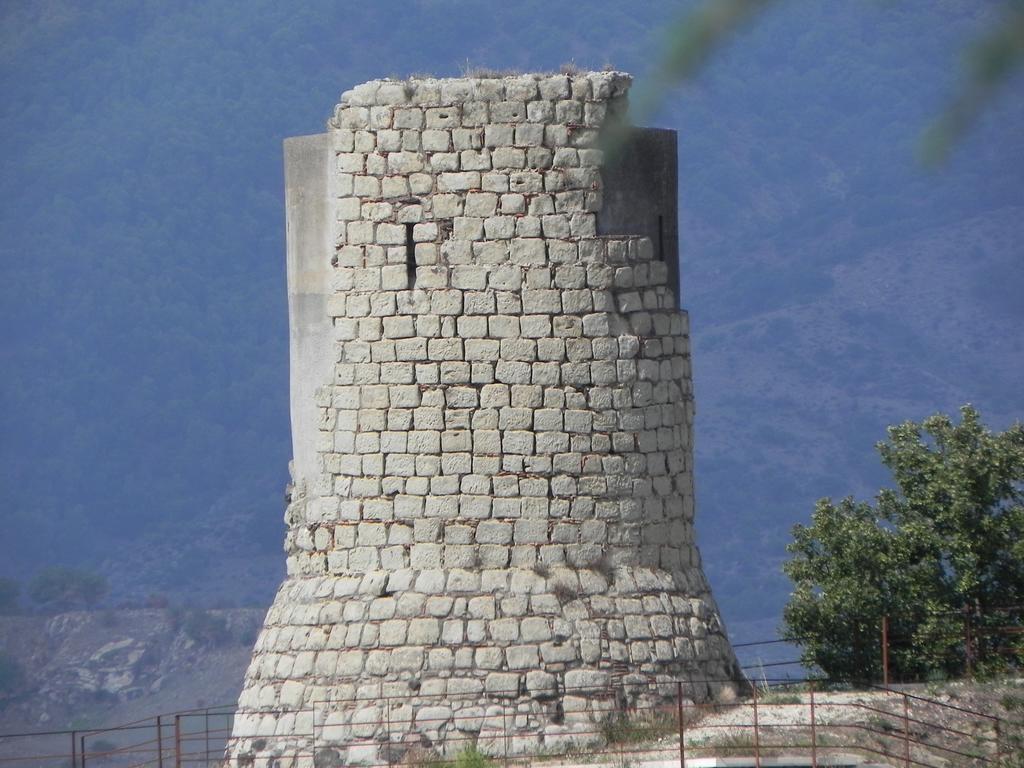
(309, 216)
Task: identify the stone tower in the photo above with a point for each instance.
(492, 417)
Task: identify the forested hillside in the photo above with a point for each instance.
(834, 285)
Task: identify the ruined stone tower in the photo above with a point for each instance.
(492, 512)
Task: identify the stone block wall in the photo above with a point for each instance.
(497, 513)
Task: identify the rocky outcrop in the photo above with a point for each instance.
(96, 666)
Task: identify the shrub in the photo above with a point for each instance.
(203, 627)
(471, 758)
(622, 729)
(9, 591)
(62, 588)
(12, 677)
(1013, 733)
(248, 633)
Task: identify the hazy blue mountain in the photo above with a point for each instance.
(834, 286)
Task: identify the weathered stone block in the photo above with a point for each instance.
(502, 684)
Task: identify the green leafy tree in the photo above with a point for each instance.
(9, 591)
(59, 587)
(945, 547)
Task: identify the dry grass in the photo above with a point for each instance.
(563, 592)
(603, 565)
(871, 723)
(487, 73)
(542, 569)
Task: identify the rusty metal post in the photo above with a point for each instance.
(81, 744)
(229, 724)
(74, 749)
(177, 741)
(206, 736)
(387, 743)
(814, 732)
(906, 730)
(757, 733)
(159, 742)
(885, 651)
(312, 725)
(968, 643)
(504, 733)
(682, 725)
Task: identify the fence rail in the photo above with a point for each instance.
(969, 639)
(636, 724)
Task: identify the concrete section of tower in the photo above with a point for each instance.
(491, 517)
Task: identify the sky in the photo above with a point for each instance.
(835, 286)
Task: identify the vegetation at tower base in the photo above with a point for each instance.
(1013, 703)
(942, 555)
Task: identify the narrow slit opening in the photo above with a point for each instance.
(410, 256)
(661, 238)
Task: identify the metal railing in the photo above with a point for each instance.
(635, 722)
(159, 741)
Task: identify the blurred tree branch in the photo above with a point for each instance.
(989, 62)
